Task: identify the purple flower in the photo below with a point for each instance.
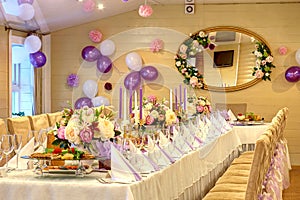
(73, 80)
(86, 135)
(61, 133)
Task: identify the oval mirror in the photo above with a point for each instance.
(224, 58)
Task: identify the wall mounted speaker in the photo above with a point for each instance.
(189, 9)
(189, 1)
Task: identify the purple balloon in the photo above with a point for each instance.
(104, 64)
(90, 53)
(25, 1)
(292, 74)
(149, 73)
(37, 59)
(83, 101)
(132, 80)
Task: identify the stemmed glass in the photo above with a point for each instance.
(7, 146)
(42, 139)
(17, 144)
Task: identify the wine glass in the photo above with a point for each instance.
(17, 144)
(7, 146)
(42, 139)
(33, 134)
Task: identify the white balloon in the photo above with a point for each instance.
(19, 54)
(90, 88)
(32, 44)
(298, 56)
(100, 100)
(134, 61)
(26, 11)
(107, 47)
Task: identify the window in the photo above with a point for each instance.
(22, 81)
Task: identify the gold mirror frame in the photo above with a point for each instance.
(239, 30)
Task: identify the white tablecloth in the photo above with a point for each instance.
(249, 134)
(188, 178)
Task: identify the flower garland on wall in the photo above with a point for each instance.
(188, 49)
(264, 61)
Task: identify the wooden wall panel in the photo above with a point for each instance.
(3, 73)
(277, 23)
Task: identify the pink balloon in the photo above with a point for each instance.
(292, 74)
(90, 53)
(132, 80)
(149, 73)
(83, 101)
(25, 1)
(104, 64)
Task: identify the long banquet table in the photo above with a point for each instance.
(188, 178)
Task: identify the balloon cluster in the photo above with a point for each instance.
(33, 44)
(91, 54)
(90, 89)
(292, 74)
(133, 79)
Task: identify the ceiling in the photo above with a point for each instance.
(53, 15)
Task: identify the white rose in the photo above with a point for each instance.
(178, 63)
(154, 114)
(201, 34)
(72, 132)
(269, 59)
(106, 128)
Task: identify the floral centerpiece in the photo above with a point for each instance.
(187, 50)
(81, 127)
(155, 113)
(201, 105)
(264, 61)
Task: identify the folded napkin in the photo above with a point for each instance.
(27, 150)
(182, 144)
(141, 162)
(163, 140)
(232, 117)
(158, 155)
(121, 169)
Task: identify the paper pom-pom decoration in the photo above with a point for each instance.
(108, 86)
(156, 45)
(95, 36)
(73, 80)
(145, 11)
(282, 50)
(89, 5)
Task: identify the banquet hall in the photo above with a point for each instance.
(181, 99)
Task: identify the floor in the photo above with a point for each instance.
(293, 192)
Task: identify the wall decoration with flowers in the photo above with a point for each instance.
(188, 49)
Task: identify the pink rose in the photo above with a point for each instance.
(61, 133)
(149, 120)
(194, 81)
(86, 135)
(259, 74)
(200, 109)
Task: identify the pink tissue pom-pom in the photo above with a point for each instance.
(157, 45)
(89, 5)
(145, 11)
(95, 36)
(282, 50)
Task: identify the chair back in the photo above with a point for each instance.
(38, 122)
(19, 125)
(54, 117)
(3, 129)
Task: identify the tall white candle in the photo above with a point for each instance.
(125, 107)
(135, 100)
(171, 100)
